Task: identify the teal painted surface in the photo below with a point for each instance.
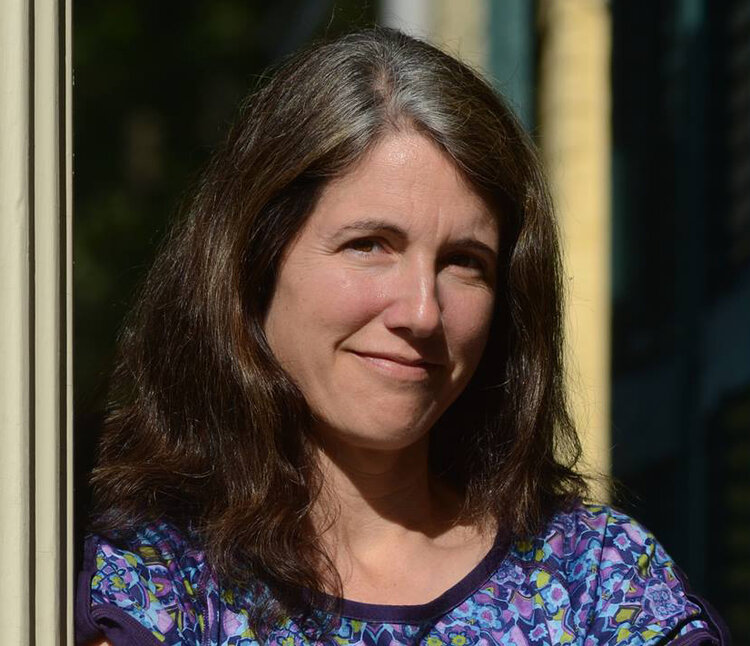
(511, 63)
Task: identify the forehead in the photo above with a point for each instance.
(407, 177)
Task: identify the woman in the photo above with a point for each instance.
(338, 414)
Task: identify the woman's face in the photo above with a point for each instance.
(384, 300)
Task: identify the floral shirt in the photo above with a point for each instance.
(594, 576)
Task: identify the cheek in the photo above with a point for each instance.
(341, 302)
(467, 323)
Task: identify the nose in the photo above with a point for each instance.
(414, 303)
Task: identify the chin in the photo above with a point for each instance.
(377, 438)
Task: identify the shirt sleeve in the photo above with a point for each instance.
(642, 597)
(139, 596)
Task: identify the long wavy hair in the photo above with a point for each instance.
(207, 431)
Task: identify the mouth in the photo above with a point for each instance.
(398, 367)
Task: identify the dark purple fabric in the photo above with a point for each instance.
(695, 638)
(713, 618)
(709, 614)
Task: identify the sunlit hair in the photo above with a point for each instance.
(206, 430)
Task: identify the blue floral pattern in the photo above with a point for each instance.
(593, 577)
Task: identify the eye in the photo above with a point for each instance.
(466, 261)
(364, 245)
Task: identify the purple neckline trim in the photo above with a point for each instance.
(452, 597)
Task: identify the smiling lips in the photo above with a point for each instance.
(397, 365)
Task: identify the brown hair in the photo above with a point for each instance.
(204, 427)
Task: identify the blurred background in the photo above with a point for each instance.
(641, 111)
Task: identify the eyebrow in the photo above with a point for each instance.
(373, 224)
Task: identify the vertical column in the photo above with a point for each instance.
(15, 325)
(511, 57)
(35, 600)
(574, 119)
(65, 48)
(49, 323)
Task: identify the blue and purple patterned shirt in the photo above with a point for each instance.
(594, 576)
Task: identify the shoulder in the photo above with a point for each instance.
(597, 532)
(619, 582)
(597, 535)
(146, 588)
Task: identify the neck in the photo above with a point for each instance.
(371, 497)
